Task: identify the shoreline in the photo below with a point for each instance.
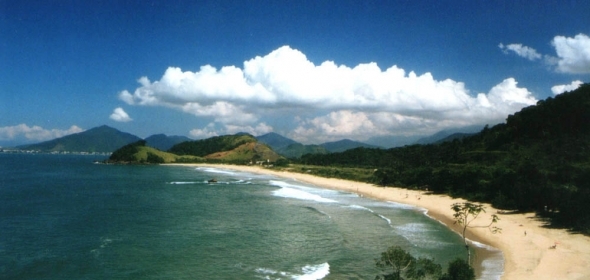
(524, 241)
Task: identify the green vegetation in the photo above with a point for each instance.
(538, 160)
(211, 145)
(397, 264)
(237, 149)
(297, 150)
(127, 152)
(138, 152)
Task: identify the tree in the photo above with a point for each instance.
(403, 264)
(467, 212)
(153, 158)
(458, 270)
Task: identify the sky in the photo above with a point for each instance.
(313, 71)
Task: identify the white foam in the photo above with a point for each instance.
(182, 183)
(384, 218)
(299, 194)
(314, 272)
(215, 170)
(288, 190)
(354, 206)
(310, 272)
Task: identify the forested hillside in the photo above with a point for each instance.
(211, 145)
(539, 160)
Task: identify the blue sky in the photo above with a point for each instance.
(314, 71)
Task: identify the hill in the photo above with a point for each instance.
(537, 161)
(236, 148)
(289, 148)
(138, 152)
(163, 142)
(343, 145)
(102, 139)
(297, 150)
(449, 135)
(275, 140)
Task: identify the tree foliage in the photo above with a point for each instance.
(458, 270)
(397, 264)
(127, 152)
(211, 145)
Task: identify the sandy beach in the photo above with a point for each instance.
(524, 241)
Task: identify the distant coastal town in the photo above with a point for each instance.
(18, 151)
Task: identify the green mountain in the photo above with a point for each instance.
(539, 160)
(449, 135)
(235, 148)
(275, 140)
(163, 142)
(139, 152)
(297, 150)
(345, 144)
(211, 145)
(103, 139)
(288, 147)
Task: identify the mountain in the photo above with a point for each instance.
(289, 148)
(296, 150)
(343, 145)
(138, 152)
(235, 148)
(458, 136)
(163, 142)
(443, 135)
(275, 140)
(102, 139)
(392, 141)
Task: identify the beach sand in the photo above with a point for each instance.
(526, 256)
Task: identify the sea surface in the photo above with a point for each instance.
(63, 217)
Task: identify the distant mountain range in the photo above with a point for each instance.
(102, 139)
(240, 148)
(105, 139)
(450, 135)
(289, 148)
(345, 144)
(163, 142)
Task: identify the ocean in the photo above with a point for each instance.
(64, 217)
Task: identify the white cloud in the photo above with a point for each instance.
(502, 100)
(328, 99)
(559, 89)
(520, 50)
(206, 132)
(120, 115)
(573, 54)
(34, 133)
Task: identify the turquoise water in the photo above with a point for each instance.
(63, 217)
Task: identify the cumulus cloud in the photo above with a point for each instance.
(520, 50)
(573, 54)
(328, 99)
(502, 100)
(559, 89)
(34, 133)
(120, 115)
